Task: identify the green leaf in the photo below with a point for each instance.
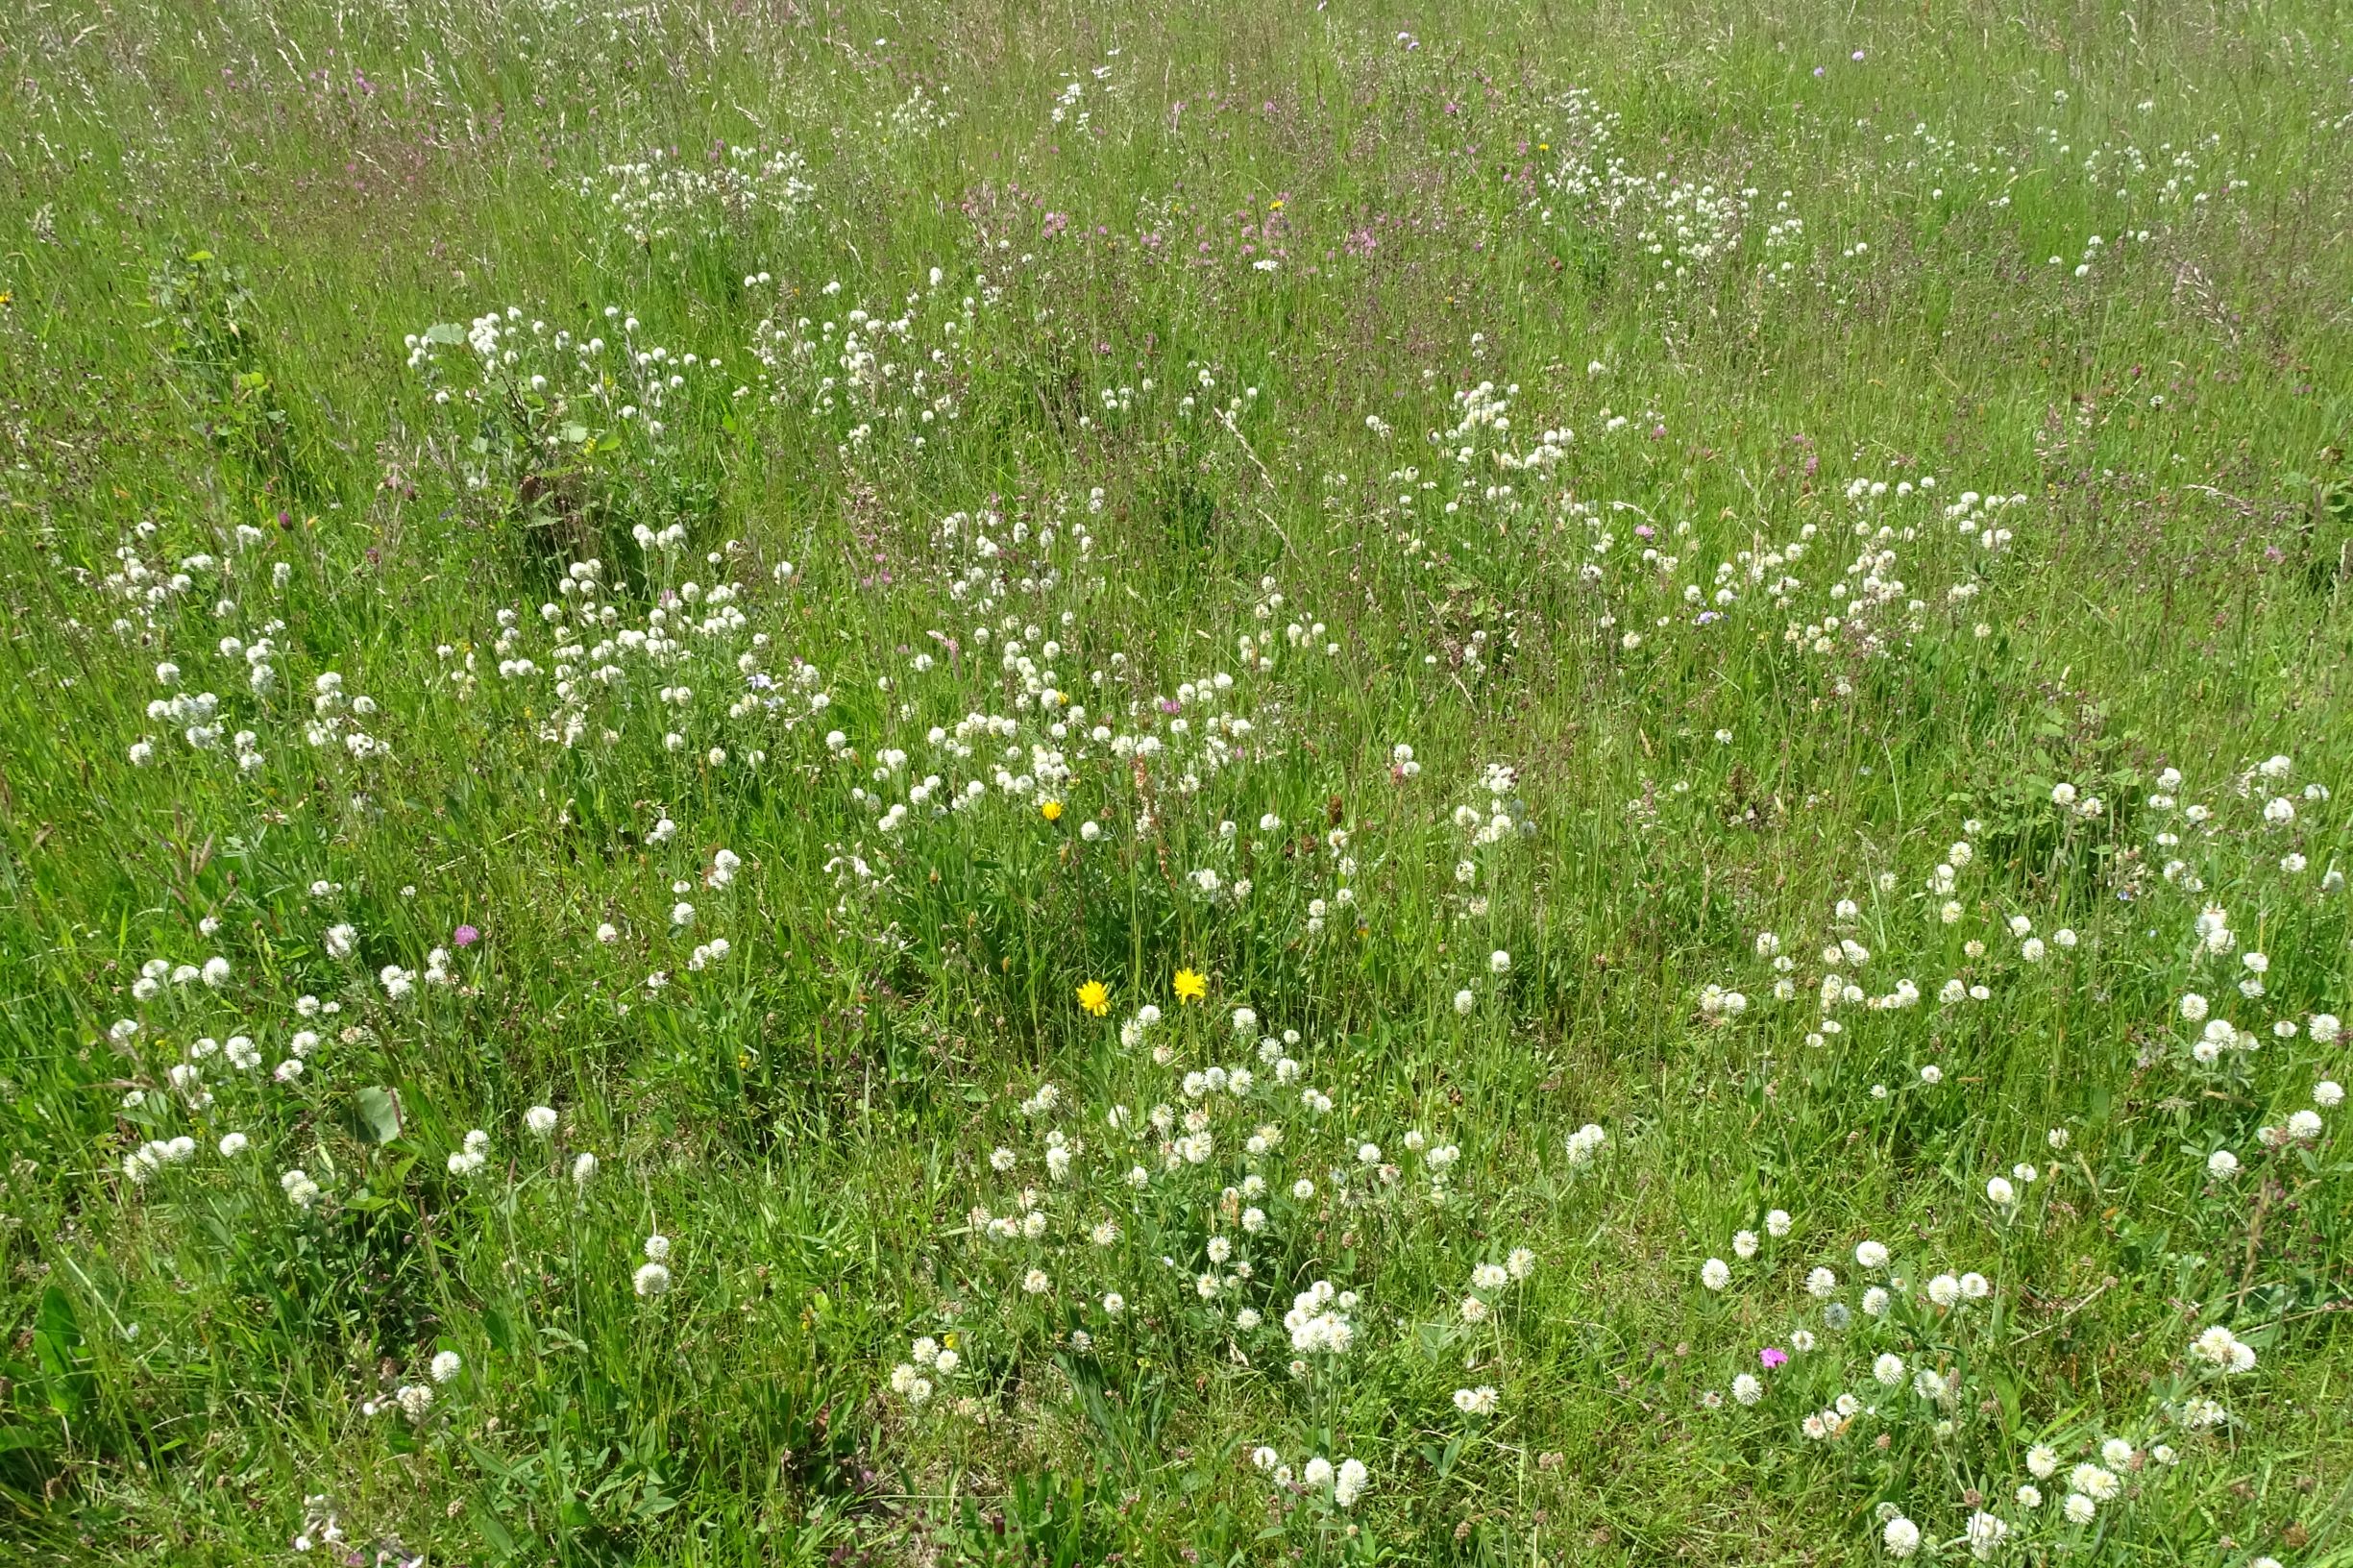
(12, 1438)
(57, 1340)
(494, 1533)
(379, 1113)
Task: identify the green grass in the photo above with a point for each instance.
(1546, 444)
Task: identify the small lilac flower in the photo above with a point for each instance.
(1772, 1356)
(466, 936)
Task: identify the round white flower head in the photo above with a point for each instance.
(1350, 1483)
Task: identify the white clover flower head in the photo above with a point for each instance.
(1350, 1483)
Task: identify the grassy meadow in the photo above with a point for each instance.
(1209, 784)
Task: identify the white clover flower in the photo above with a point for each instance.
(1350, 1483)
(2224, 1349)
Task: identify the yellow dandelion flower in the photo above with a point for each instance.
(1096, 997)
(1191, 986)
(1051, 811)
